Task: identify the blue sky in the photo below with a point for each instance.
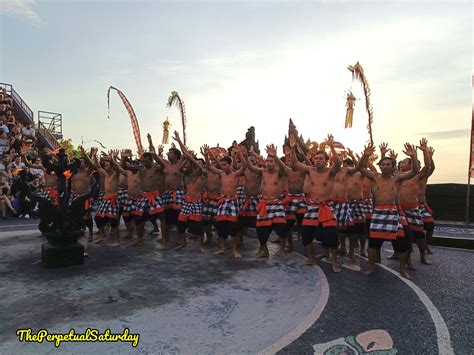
(257, 63)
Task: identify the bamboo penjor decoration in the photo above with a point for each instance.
(350, 109)
(358, 74)
(174, 99)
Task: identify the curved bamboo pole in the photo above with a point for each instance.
(174, 99)
(358, 74)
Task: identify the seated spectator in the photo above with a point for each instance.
(4, 143)
(6, 100)
(5, 163)
(17, 164)
(21, 190)
(10, 120)
(37, 172)
(28, 132)
(5, 197)
(3, 126)
(16, 139)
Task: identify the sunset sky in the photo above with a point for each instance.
(248, 63)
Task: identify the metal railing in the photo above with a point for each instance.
(26, 114)
(48, 136)
(53, 121)
(18, 101)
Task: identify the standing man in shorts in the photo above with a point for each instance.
(319, 221)
(386, 220)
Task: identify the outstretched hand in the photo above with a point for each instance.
(329, 140)
(176, 136)
(409, 150)
(369, 150)
(271, 150)
(383, 148)
(392, 154)
(205, 150)
(423, 145)
(430, 151)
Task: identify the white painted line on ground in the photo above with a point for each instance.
(442, 332)
(21, 225)
(450, 248)
(307, 322)
(20, 233)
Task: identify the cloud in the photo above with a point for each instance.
(456, 133)
(22, 9)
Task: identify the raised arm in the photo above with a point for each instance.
(92, 164)
(337, 162)
(432, 164)
(415, 165)
(249, 164)
(383, 150)
(305, 157)
(205, 151)
(425, 172)
(271, 151)
(368, 151)
(295, 163)
(24, 159)
(113, 158)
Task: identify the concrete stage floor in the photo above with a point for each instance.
(185, 302)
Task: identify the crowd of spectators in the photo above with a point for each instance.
(15, 134)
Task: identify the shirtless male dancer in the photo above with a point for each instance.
(252, 183)
(386, 221)
(228, 206)
(212, 196)
(408, 198)
(174, 191)
(426, 212)
(108, 211)
(135, 207)
(319, 220)
(154, 185)
(190, 217)
(271, 210)
(295, 201)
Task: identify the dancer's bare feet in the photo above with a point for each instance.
(405, 275)
(180, 246)
(410, 265)
(336, 267)
(98, 240)
(163, 247)
(220, 251)
(263, 253)
(236, 254)
(370, 270)
(114, 244)
(425, 261)
(308, 262)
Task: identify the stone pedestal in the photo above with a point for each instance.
(62, 249)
